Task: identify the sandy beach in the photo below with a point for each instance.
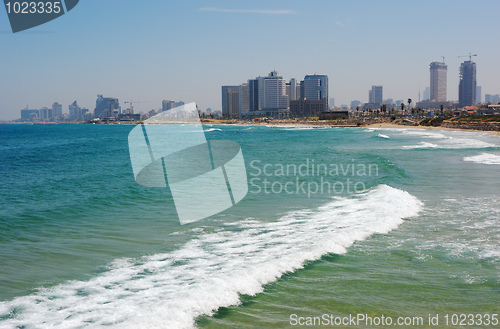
(392, 125)
(314, 123)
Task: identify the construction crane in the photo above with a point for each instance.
(470, 56)
(132, 105)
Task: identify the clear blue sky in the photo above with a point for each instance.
(150, 50)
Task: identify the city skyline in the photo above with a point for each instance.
(272, 96)
(149, 59)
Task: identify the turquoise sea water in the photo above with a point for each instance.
(394, 222)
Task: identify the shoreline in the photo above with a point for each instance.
(320, 124)
(287, 123)
(328, 124)
(393, 125)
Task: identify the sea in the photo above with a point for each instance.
(338, 223)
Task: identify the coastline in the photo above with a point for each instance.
(382, 123)
(340, 124)
(393, 125)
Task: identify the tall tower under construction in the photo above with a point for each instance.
(467, 86)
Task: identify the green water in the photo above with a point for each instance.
(78, 235)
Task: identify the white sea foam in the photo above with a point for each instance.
(301, 128)
(452, 143)
(450, 140)
(170, 290)
(466, 227)
(421, 145)
(212, 129)
(464, 143)
(424, 133)
(484, 158)
(383, 136)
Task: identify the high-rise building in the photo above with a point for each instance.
(467, 86)
(86, 114)
(293, 89)
(478, 94)
(231, 101)
(315, 87)
(427, 94)
(75, 112)
(375, 95)
(253, 95)
(46, 113)
(272, 92)
(57, 110)
(332, 101)
(29, 115)
(355, 104)
(106, 107)
(269, 95)
(488, 98)
(244, 98)
(438, 72)
(168, 104)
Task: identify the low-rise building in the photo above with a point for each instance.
(307, 107)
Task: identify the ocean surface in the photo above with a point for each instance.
(341, 221)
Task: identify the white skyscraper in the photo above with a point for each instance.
(292, 90)
(244, 98)
(438, 81)
(57, 110)
(272, 91)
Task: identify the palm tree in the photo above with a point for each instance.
(409, 102)
(402, 107)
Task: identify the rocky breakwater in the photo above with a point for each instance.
(472, 125)
(478, 122)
